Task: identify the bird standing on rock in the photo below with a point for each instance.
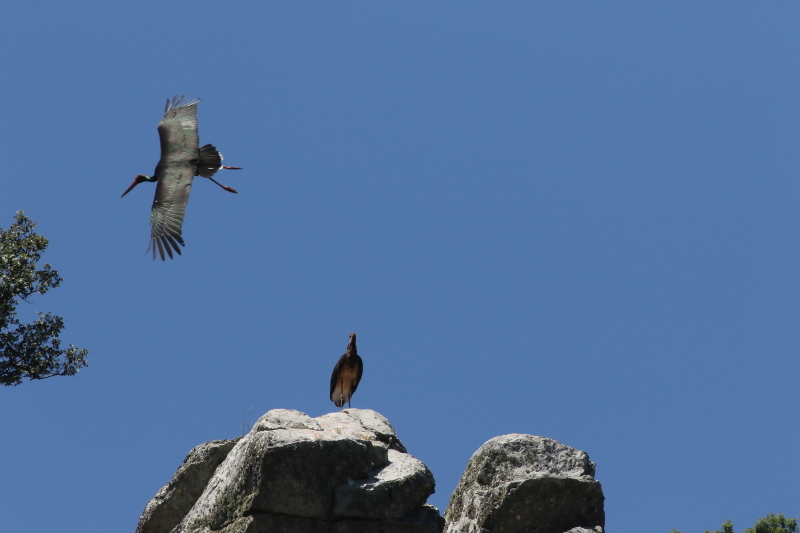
(346, 375)
(181, 160)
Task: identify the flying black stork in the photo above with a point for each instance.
(346, 375)
(182, 159)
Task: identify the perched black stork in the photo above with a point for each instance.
(182, 159)
(346, 375)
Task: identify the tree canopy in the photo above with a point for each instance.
(774, 524)
(32, 350)
(768, 524)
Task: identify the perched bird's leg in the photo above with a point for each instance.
(229, 189)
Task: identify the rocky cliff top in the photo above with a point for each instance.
(348, 472)
(340, 472)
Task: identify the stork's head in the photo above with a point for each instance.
(352, 343)
(137, 180)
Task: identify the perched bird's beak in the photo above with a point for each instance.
(136, 182)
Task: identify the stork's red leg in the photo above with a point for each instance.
(229, 189)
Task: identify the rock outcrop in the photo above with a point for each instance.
(339, 473)
(520, 483)
(176, 498)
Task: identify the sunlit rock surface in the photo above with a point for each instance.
(338, 473)
(521, 483)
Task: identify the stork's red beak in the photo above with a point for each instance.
(136, 182)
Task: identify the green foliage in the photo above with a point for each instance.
(727, 527)
(32, 350)
(774, 524)
(768, 524)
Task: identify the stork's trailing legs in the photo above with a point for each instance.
(229, 189)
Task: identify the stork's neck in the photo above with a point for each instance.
(141, 178)
(351, 348)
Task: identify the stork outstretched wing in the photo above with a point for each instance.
(175, 170)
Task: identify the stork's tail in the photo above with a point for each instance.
(209, 160)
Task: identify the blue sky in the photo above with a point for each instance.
(575, 220)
